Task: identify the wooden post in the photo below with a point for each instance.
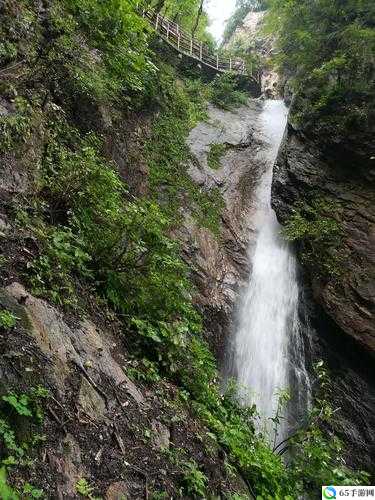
(178, 41)
(230, 64)
(217, 61)
(157, 22)
(167, 30)
(191, 46)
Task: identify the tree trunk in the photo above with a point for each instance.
(159, 6)
(197, 19)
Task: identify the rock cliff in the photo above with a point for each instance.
(342, 303)
(250, 38)
(220, 262)
(305, 171)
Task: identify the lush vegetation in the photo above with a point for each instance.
(319, 235)
(224, 92)
(189, 14)
(7, 319)
(215, 154)
(94, 236)
(328, 47)
(21, 415)
(168, 155)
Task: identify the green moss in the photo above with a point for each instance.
(215, 154)
(315, 227)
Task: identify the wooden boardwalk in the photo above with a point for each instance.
(185, 44)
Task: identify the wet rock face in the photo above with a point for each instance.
(219, 262)
(303, 173)
(341, 309)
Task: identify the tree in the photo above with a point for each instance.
(198, 17)
(328, 48)
(189, 14)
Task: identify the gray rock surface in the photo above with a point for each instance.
(220, 263)
(160, 435)
(67, 464)
(117, 491)
(83, 346)
(90, 401)
(303, 173)
(341, 308)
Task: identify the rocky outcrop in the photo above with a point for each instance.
(99, 426)
(340, 306)
(219, 262)
(250, 38)
(304, 172)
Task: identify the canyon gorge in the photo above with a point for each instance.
(187, 262)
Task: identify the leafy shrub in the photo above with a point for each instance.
(194, 481)
(224, 93)
(15, 409)
(215, 154)
(30, 491)
(18, 34)
(328, 51)
(6, 492)
(85, 489)
(112, 62)
(7, 319)
(15, 127)
(319, 234)
(317, 455)
(144, 371)
(52, 273)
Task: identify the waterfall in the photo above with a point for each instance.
(267, 349)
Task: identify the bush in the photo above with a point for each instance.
(115, 61)
(194, 481)
(15, 127)
(6, 492)
(215, 154)
(7, 319)
(223, 92)
(319, 235)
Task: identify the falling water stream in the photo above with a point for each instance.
(267, 348)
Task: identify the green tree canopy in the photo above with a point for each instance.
(328, 47)
(186, 13)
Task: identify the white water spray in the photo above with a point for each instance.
(268, 314)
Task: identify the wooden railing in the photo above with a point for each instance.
(193, 48)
